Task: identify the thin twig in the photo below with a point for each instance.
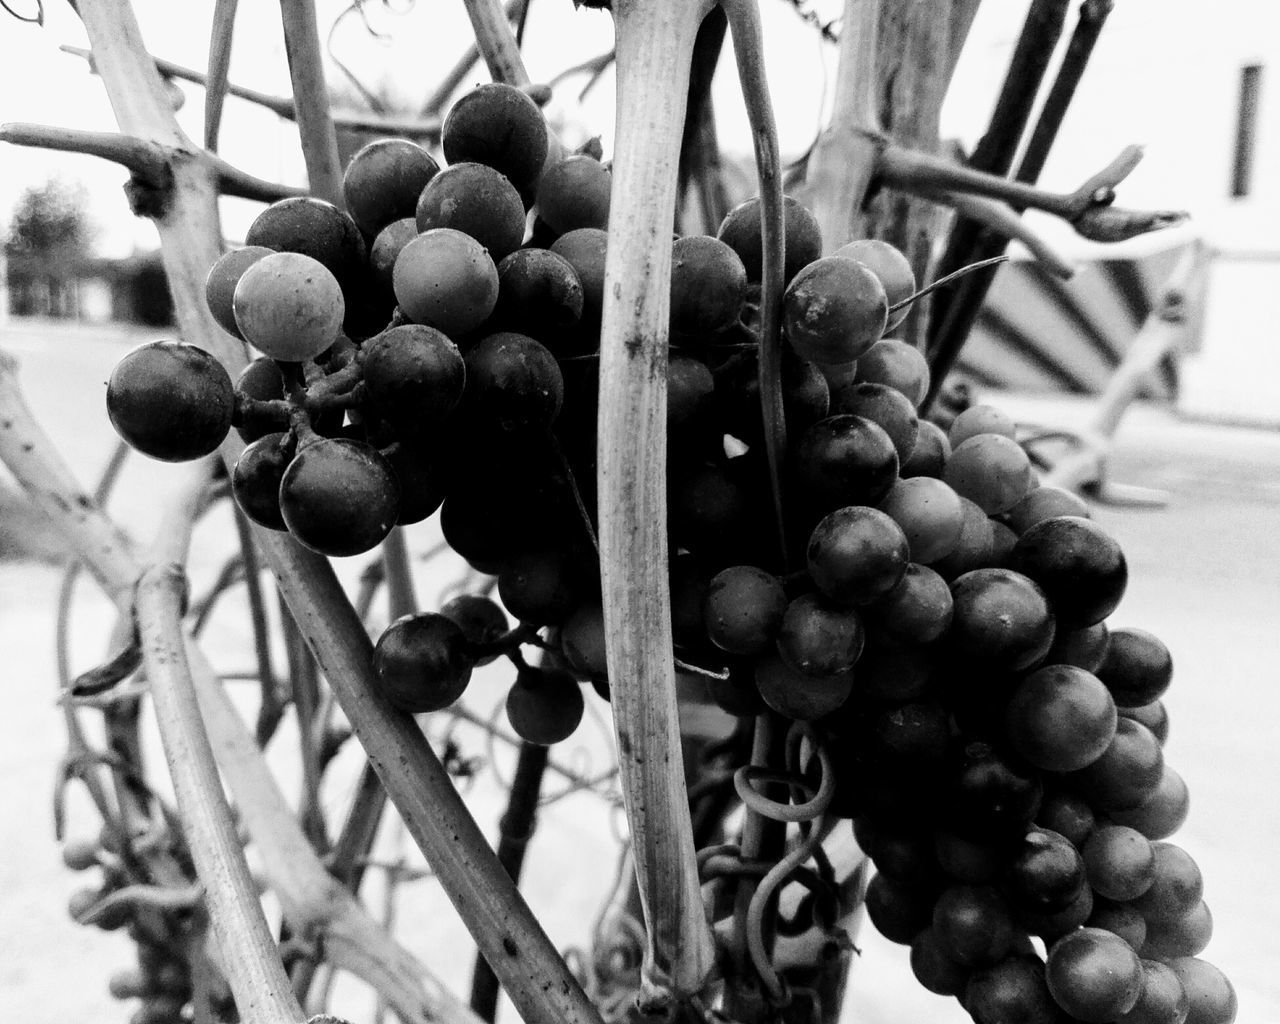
(220, 40)
(448, 85)
(311, 99)
(144, 160)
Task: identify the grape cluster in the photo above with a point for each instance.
(937, 615)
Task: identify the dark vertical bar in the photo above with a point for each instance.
(1246, 123)
(515, 829)
(954, 317)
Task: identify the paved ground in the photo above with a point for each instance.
(1205, 576)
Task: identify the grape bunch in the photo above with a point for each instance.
(937, 616)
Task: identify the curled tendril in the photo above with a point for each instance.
(802, 747)
(29, 19)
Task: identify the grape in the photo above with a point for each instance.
(418, 479)
(514, 380)
(930, 453)
(841, 461)
(968, 860)
(1187, 935)
(893, 674)
(312, 227)
(973, 924)
(1044, 503)
(255, 480)
(934, 967)
(1003, 540)
(882, 405)
(422, 662)
(1061, 718)
(912, 737)
(1163, 1000)
(1094, 975)
(478, 201)
(582, 640)
(584, 249)
(992, 793)
(708, 285)
(895, 363)
(1211, 996)
(1119, 919)
(1154, 716)
(414, 375)
(1067, 814)
(1046, 873)
(1084, 647)
(833, 311)
(1128, 771)
(744, 610)
(170, 400)
(690, 389)
(931, 516)
(481, 620)
(798, 696)
(386, 249)
(498, 125)
(818, 638)
(445, 279)
(713, 514)
(802, 239)
(539, 294)
(1012, 990)
(541, 587)
(383, 181)
(975, 547)
(1081, 569)
(856, 555)
(899, 912)
(339, 497)
(891, 268)
(1162, 813)
(544, 706)
(1176, 888)
(805, 396)
(1120, 862)
(980, 419)
(1001, 619)
(574, 193)
(1137, 669)
(220, 285)
(990, 470)
(916, 611)
(289, 306)
(903, 856)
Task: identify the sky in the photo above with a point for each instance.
(1147, 77)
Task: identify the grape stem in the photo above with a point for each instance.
(216, 82)
(955, 275)
(311, 100)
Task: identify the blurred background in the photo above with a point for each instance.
(80, 284)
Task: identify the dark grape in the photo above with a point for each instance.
(935, 968)
(255, 480)
(843, 460)
(383, 181)
(1127, 773)
(856, 555)
(1084, 647)
(386, 249)
(514, 380)
(1163, 999)
(1154, 716)
(1046, 873)
(1176, 888)
(896, 364)
(973, 924)
(819, 638)
(498, 125)
(1211, 996)
(744, 609)
(220, 285)
(171, 401)
(422, 662)
(1094, 975)
(708, 285)
(584, 250)
(930, 454)
(798, 696)
(1044, 503)
(544, 706)
(414, 375)
(582, 640)
(1060, 718)
(1162, 813)
(315, 228)
(883, 405)
(833, 311)
(992, 794)
(542, 587)
(990, 470)
(892, 269)
(1120, 862)
(574, 193)
(1001, 619)
(802, 238)
(478, 201)
(419, 481)
(899, 912)
(916, 611)
(446, 279)
(1137, 669)
(339, 497)
(931, 515)
(480, 618)
(1080, 568)
(975, 548)
(540, 295)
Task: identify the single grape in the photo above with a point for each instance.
(796, 695)
(1046, 873)
(1163, 999)
(1155, 716)
(220, 285)
(339, 497)
(892, 269)
(882, 405)
(744, 609)
(1001, 619)
(446, 279)
(1211, 996)
(856, 555)
(973, 924)
(1094, 975)
(1060, 718)
(819, 638)
(1044, 503)
(544, 706)
(1177, 886)
(582, 640)
(574, 193)
(708, 285)
(1077, 564)
(315, 228)
(1119, 919)
(478, 201)
(980, 419)
(170, 400)
(1162, 813)
(1120, 862)
(1187, 935)
(1127, 773)
(255, 480)
(897, 364)
(1054, 925)
(931, 516)
(1137, 669)
(903, 856)
(422, 662)
(1068, 814)
(498, 125)
(419, 480)
(930, 453)
(386, 249)
(690, 392)
(414, 375)
(480, 618)
(990, 470)
(289, 306)
(261, 380)
(383, 181)
(539, 294)
(976, 547)
(899, 912)
(1012, 990)
(841, 461)
(834, 310)
(915, 612)
(935, 968)
(541, 587)
(992, 793)
(514, 381)
(1083, 647)
(802, 239)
